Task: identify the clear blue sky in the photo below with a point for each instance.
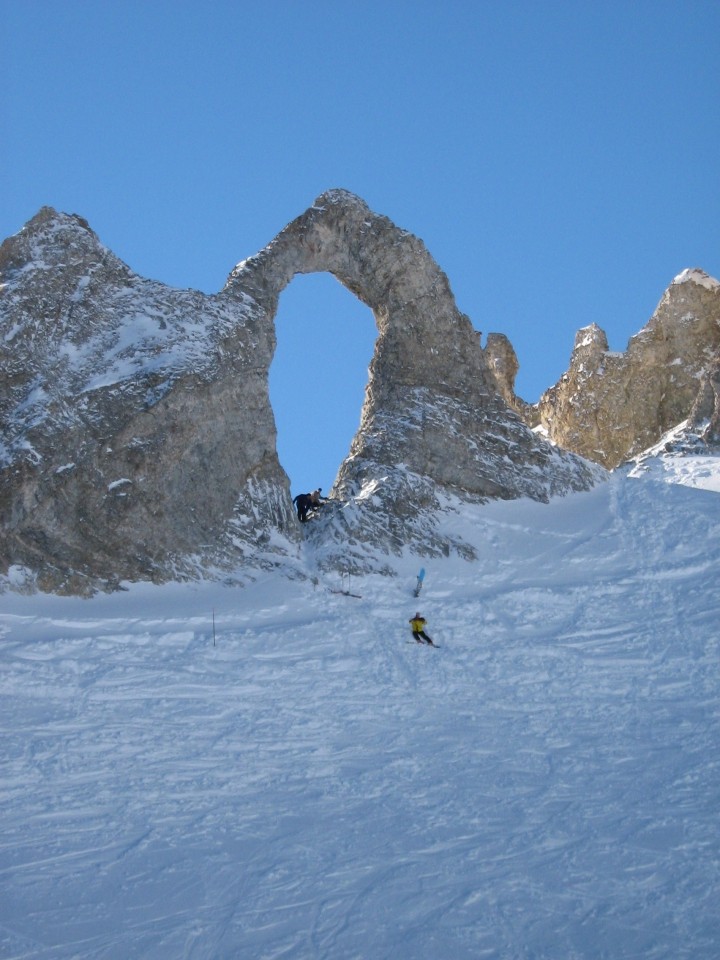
(560, 160)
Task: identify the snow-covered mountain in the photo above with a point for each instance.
(200, 771)
(137, 435)
(138, 440)
(260, 762)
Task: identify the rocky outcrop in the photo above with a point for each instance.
(704, 417)
(138, 438)
(610, 406)
(433, 422)
(503, 364)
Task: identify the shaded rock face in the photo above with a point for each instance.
(138, 440)
(138, 437)
(610, 406)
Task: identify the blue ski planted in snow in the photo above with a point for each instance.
(420, 578)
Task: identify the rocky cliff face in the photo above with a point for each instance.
(704, 417)
(433, 422)
(138, 438)
(609, 406)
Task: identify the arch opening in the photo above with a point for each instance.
(325, 342)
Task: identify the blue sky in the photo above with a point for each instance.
(558, 159)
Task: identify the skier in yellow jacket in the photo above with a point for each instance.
(417, 625)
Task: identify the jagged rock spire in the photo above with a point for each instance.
(610, 406)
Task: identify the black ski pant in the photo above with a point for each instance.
(303, 503)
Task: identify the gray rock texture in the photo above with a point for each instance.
(433, 422)
(138, 439)
(705, 414)
(609, 406)
(503, 364)
(137, 435)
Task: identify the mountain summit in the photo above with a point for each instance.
(610, 406)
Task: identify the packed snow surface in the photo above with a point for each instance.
(694, 468)
(300, 781)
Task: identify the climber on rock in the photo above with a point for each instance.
(317, 498)
(303, 502)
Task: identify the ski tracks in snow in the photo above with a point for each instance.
(310, 784)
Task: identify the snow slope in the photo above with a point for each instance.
(305, 783)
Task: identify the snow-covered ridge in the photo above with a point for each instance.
(696, 275)
(127, 378)
(612, 405)
(681, 456)
(116, 325)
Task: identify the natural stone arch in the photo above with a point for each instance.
(430, 398)
(166, 464)
(432, 418)
(423, 340)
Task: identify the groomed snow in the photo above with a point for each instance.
(305, 783)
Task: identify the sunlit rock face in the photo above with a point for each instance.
(433, 423)
(503, 364)
(705, 414)
(610, 406)
(138, 439)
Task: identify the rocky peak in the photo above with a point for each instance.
(697, 276)
(120, 456)
(48, 269)
(590, 343)
(610, 406)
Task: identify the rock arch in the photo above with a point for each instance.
(432, 415)
(139, 439)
